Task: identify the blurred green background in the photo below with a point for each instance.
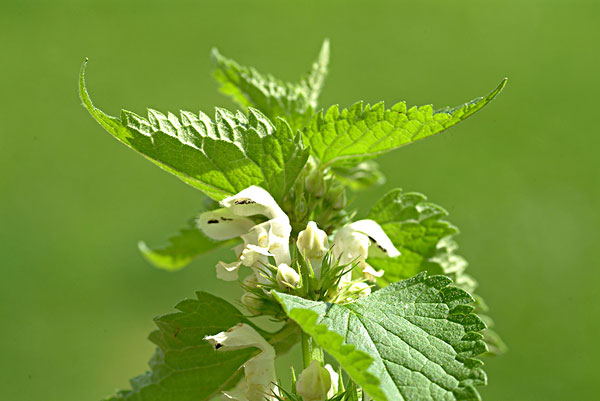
(521, 178)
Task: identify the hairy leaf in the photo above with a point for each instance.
(425, 240)
(185, 367)
(276, 98)
(420, 333)
(182, 248)
(219, 157)
(351, 135)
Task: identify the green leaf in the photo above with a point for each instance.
(494, 342)
(219, 157)
(182, 248)
(185, 367)
(349, 136)
(424, 238)
(275, 98)
(420, 333)
(418, 230)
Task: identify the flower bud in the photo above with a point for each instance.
(337, 196)
(314, 382)
(287, 277)
(312, 242)
(315, 183)
(340, 201)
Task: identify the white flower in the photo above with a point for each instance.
(259, 371)
(313, 244)
(314, 383)
(261, 241)
(353, 243)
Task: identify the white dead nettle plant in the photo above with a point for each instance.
(308, 160)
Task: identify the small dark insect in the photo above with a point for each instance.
(217, 345)
(226, 219)
(213, 221)
(177, 332)
(244, 202)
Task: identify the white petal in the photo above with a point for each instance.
(228, 271)
(274, 236)
(377, 236)
(370, 273)
(251, 201)
(258, 235)
(279, 239)
(350, 246)
(254, 256)
(222, 224)
(335, 381)
(260, 370)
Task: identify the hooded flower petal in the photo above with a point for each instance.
(259, 371)
(252, 201)
(222, 224)
(377, 236)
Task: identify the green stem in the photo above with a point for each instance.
(310, 350)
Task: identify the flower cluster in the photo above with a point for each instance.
(351, 243)
(337, 259)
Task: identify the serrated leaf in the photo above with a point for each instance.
(219, 157)
(424, 238)
(182, 248)
(420, 333)
(275, 98)
(418, 230)
(351, 135)
(185, 367)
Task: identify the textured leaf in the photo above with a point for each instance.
(182, 248)
(420, 333)
(351, 135)
(420, 232)
(185, 367)
(219, 157)
(275, 98)
(418, 229)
